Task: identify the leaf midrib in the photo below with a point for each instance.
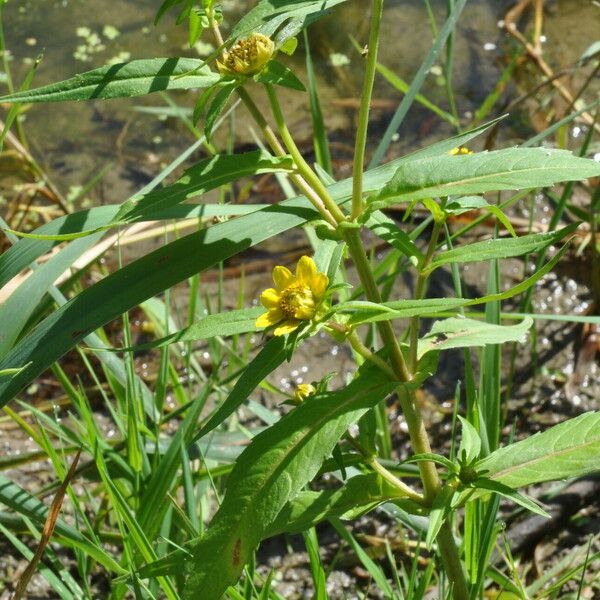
(508, 470)
(315, 425)
(473, 180)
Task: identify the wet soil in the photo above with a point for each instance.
(75, 141)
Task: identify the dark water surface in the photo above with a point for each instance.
(74, 141)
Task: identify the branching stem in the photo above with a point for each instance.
(365, 104)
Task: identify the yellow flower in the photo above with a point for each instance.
(460, 150)
(295, 298)
(247, 56)
(303, 391)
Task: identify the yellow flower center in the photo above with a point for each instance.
(298, 302)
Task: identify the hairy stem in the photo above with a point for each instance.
(309, 175)
(372, 461)
(361, 349)
(365, 104)
(414, 421)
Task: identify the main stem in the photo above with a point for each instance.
(309, 184)
(363, 115)
(414, 421)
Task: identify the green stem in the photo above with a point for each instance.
(305, 170)
(372, 462)
(414, 421)
(363, 115)
(279, 150)
(452, 563)
(361, 349)
(273, 141)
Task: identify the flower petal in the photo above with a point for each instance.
(269, 318)
(304, 313)
(318, 285)
(286, 327)
(306, 270)
(270, 298)
(282, 277)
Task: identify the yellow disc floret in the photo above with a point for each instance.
(460, 150)
(247, 56)
(295, 298)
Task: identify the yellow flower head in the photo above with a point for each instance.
(460, 150)
(303, 391)
(295, 298)
(247, 56)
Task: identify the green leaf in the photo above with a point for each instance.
(269, 473)
(134, 78)
(459, 206)
(433, 457)
(217, 106)
(500, 248)
(29, 506)
(570, 449)
(437, 515)
(470, 442)
(387, 229)
(357, 496)
(369, 312)
(509, 169)
(262, 365)
(202, 177)
(458, 332)
(269, 15)
(277, 73)
(484, 483)
(219, 324)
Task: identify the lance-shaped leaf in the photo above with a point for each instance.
(134, 78)
(458, 332)
(139, 280)
(269, 473)
(25, 251)
(31, 507)
(500, 248)
(510, 169)
(570, 449)
(357, 496)
(223, 324)
(269, 15)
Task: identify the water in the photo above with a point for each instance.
(74, 141)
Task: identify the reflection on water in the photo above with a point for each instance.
(75, 140)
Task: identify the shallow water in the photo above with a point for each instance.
(75, 140)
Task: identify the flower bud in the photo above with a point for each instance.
(303, 391)
(247, 56)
